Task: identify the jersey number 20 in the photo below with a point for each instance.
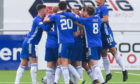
(66, 24)
(95, 28)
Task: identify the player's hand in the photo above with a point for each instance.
(60, 12)
(46, 19)
(76, 34)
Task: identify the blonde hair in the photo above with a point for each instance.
(55, 9)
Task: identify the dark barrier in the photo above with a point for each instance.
(10, 49)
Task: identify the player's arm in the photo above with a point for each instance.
(43, 26)
(48, 25)
(80, 26)
(105, 18)
(46, 19)
(105, 14)
(49, 19)
(73, 17)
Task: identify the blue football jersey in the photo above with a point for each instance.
(92, 26)
(103, 11)
(35, 34)
(65, 28)
(106, 31)
(52, 41)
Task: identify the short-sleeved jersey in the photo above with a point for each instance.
(103, 11)
(52, 41)
(65, 28)
(35, 34)
(92, 26)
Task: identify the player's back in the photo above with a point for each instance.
(92, 31)
(52, 41)
(65, 28)
(35, 34)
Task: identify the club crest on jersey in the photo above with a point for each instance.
(40, 23)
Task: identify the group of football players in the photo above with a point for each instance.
(76, 39)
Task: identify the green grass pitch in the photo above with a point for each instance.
(8, 77)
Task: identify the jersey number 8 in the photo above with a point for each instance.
(66, 24)
(95, 28)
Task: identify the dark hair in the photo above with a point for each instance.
(90, 10)
(40, 6)
(68, 10)
(62, 5)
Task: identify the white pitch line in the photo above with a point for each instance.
(124, 82)
(86, 82)
(130, 73)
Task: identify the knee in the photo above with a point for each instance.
(104, 53)
(113, 51)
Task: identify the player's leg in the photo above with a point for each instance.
(20, 70)
(63, 52)
(79, 69)
(119, 59)
(73, 71)
(78, 61)
(51, 58)
(85, 64)
(72, 58)
(33, 70)
(106, 64)
(111, 46)
(33, 60)
(65, 70)
(50, 72)
(87, 68)
(94, 57)
(24, 60)
(107, 41)
(58, 71)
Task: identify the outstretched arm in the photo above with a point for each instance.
(71, 15)
(45, 27)
(47, 19)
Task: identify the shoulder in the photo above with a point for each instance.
(103, 7)
(50, 15)
(53, 15)
(96, 18)
(73, 13)
(37, 18)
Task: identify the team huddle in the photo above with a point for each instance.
(75, 40)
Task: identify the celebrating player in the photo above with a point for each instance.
(66, 41)
(28, 47)
(51, 53)
(92, 27)
(108, 41)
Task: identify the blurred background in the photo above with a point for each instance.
(16, 18)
